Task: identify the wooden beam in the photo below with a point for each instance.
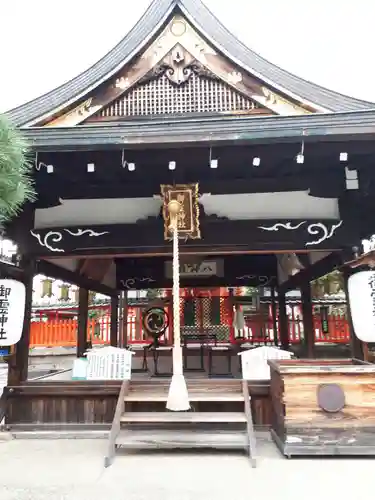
(114, 321)
(274, 315)
(83, 308)
(57, 272)
(308, 320)
(95, 269)
(283, 322)
(219, 235)
(313, 272)
(356, 345)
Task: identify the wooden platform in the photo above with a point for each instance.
(141, 421)
(63, 405)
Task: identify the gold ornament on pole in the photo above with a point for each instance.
(181, 219)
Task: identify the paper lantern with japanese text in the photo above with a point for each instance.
(361, 288)
(12, 311)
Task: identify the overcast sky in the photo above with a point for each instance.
(45, 43)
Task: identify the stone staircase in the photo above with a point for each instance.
(220, 417)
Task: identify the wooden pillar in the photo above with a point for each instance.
(114, 321)
(19, 362)
(83, 309)
(124, 321)
(283, 322)
(274, 315)
(356, 345)
(308, 319)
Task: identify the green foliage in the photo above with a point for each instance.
(16, 184)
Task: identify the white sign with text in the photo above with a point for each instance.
(12, 311)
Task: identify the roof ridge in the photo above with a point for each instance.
(212, 29)
(190, 4)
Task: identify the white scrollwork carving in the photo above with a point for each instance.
(52, 237)
(320, 228)
(315, 228)
(130, 282)
(278, 225)
(262, 280)
(89, 232)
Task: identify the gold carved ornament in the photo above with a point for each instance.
(188, 215)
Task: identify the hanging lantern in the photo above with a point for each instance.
(76, 295)
(47, 288)
(92, 296)
(64, 292)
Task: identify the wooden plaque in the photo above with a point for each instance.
(188, 218)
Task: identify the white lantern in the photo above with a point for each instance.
(12, 311)
(361, 290)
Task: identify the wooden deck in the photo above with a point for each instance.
(66, 405)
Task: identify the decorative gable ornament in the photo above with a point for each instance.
(12, 311)
(361, 291)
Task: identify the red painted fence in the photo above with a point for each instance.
(63, 332)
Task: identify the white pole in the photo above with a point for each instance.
(178, 397)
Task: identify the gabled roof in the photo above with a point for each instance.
(210, 27)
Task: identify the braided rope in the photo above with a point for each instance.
(177, 351)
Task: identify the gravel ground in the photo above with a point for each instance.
(73, 470)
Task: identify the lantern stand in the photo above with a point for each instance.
(178, 397)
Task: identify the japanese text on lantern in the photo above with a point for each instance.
(371, 283)
(4, 307)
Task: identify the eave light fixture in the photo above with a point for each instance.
(91, 167)
(343, 156)
(256, 161)
(214, 162)
(39, 164)
(300, 158)
(172, 165)
(126, 164)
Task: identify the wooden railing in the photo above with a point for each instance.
(116, 424)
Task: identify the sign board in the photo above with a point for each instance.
(203, 269)
(79, 371)
(188, 218)
(254, 362)
(12, 311)
(361, 291)
(109, 363)
(5, 351)
(323, 311)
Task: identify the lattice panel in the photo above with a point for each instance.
(206, 315)
(161, 97)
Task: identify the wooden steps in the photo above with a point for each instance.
(142, 420)
(183, 417)
(181, 439)
(206, 390)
